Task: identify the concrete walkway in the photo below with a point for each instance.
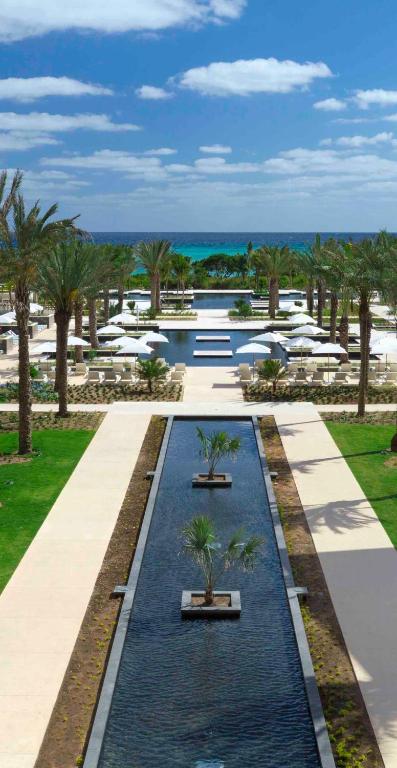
(359, 564)
(212, 384)
(43, 605)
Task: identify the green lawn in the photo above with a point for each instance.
(361, 445)
(28, 490)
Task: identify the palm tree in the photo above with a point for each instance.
(306, 263)
(200, 544)
(124, 261)
(150, 256)
(101, 278)
(273, 371)
(216, 446)
(63, 273)
(181, 268)
(151, 371)
(276, 262)
(367, 270)
(24, 242)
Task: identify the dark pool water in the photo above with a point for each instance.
(218, 300)
(183, 343)
(195, 694)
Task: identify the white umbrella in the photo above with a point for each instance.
(8, 317)
(152, 336)
(121, 341)
(294, 308)
(135, 347)
(75, 341)
(274, 338)
(108, 330)
(384, 346)
(307, 330)
(35, 307)
(301, 318)
(45, 347)
(301, 342)
(123, 317)
(329, 349)
(253, 349)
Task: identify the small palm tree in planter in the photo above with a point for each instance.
(201, 545)
(151, 371)
(214, 447)
(273, 371)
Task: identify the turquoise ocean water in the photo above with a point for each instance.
(199, 245)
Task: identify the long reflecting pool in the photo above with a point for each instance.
(209, 694)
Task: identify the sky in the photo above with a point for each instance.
(203, 115)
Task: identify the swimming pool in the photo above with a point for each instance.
(228, 693)
(182, 344)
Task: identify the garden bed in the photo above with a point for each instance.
(350, 417)
(97, 393)
(260, 392)
(71, 719)
(49, 420)
(352, 738)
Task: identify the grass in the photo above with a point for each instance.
(362, 446)
(29, 489)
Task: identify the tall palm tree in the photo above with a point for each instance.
(307, 264)
(150, 256)
(368, 268)
(101, 279)
(64, 273)
(24, 241)
(124, 261)
(181, 267)
(276, 262)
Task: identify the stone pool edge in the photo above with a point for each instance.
(313, 696)
(101, 716)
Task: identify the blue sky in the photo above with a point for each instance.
(203, 114)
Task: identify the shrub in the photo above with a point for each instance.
(260, 392)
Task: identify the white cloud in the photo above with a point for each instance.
(353, 120)
(378, 96)
(355, 142)
(151, 92)
(307, 162)
(215, 149)
(18, 141)
(28, 18)
(46, 122)
(391, 118)
(330, 105)
(31, 88)
(244, 77)
(159, 152)
(124, 163)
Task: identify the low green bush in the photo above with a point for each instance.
(42, 392)
(261, 392)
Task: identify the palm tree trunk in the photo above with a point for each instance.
(273, 295)
(365, 322)
(344, 337)
(25, 384)
(62, 319)
(153, 291)
(320, 303)
(309, 298)
(106, 306)
(78, 328)
(333, 317)
(120, 296)
(93, 323)
(158, 302)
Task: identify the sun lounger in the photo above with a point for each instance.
(110, 376)
(179, 367)
(126, 376)
(81, 369)
(340, 377)
(94, 376)
(391, 376)
(346, 367)
(177, 376)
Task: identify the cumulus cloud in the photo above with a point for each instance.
(31, 88)
(330, 105)
(378, 96)
(215, 149)
(18, 141)
(19, 20)
(51, 123)
(127, 163)
(245, 77)
(305, 162)
(355, 142)
(152, 93)
(161, 151)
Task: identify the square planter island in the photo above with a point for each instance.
(226, 605)
(220, 480)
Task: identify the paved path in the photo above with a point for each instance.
(359, 564)
(212, 384)
(44, 603)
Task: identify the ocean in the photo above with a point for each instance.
(199, 245)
